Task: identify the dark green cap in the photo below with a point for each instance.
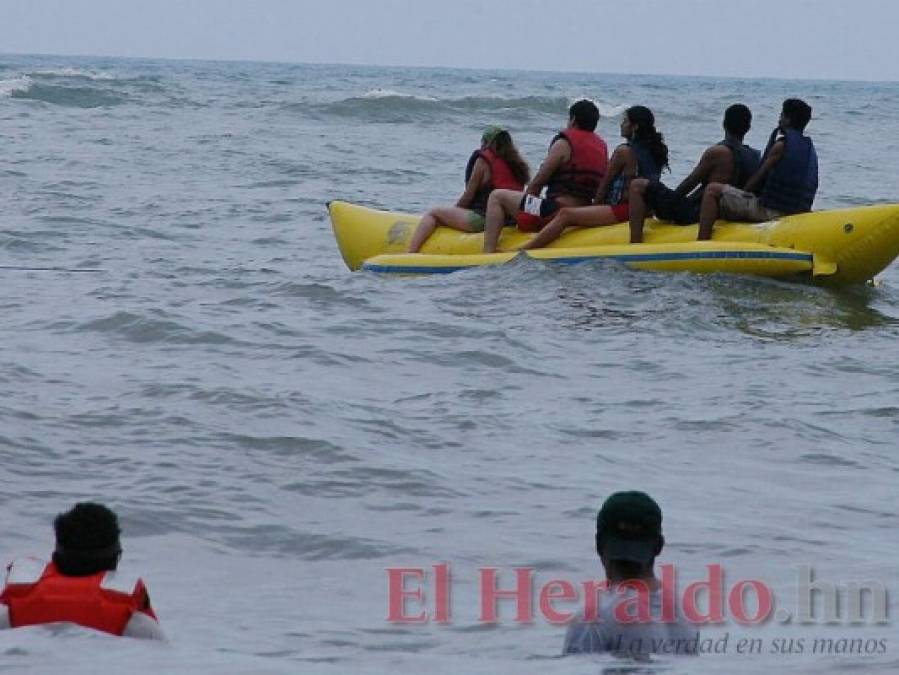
(629, 527)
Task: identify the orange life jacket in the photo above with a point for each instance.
(501, 177)
(37, 593)
(581, 175)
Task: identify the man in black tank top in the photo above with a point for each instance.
(729, 161)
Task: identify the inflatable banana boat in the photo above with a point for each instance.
(840, 247)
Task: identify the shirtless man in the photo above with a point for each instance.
(730, 162)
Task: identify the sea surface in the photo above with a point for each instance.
(181, 340)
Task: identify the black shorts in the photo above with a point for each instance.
(668, 205)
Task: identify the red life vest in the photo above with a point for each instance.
(581, 175)
(104, 601)
(501, 178)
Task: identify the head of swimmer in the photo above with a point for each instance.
(87, 540)
(629, 536)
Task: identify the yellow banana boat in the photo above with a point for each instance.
(841, 246)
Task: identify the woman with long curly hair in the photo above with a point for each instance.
(496, 165)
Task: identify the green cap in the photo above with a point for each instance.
(629, 527)
(490, 133)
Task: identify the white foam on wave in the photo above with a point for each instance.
(391, 93)
(610, 110)
(605, 109)
(20, 84)
(73, 72)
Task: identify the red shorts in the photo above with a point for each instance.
(622, 212)
(528, 223)
(535, 221)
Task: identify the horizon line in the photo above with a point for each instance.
(445, 67)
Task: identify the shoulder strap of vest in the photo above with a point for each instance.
(772, 139)
(488, 156)
(796, 135)
(647, 164)
(738, 161)
(469, 168)
(559, 136)
(121, 582)
(26, 571)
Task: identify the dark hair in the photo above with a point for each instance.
(585, 115)
(737, 120)
(504, 147)
(646, 132)
(799, 113)
(87, 540)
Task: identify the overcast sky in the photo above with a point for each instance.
(829, 39)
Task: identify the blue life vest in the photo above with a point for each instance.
(746, 162)
(793, 182)
(647, 167)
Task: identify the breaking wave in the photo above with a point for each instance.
(387, 105)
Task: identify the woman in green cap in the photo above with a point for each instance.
(497, 164)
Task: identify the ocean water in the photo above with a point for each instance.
(181, 340)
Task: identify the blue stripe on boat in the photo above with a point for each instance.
(624, 257)
(411, 269)
(695, 255)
